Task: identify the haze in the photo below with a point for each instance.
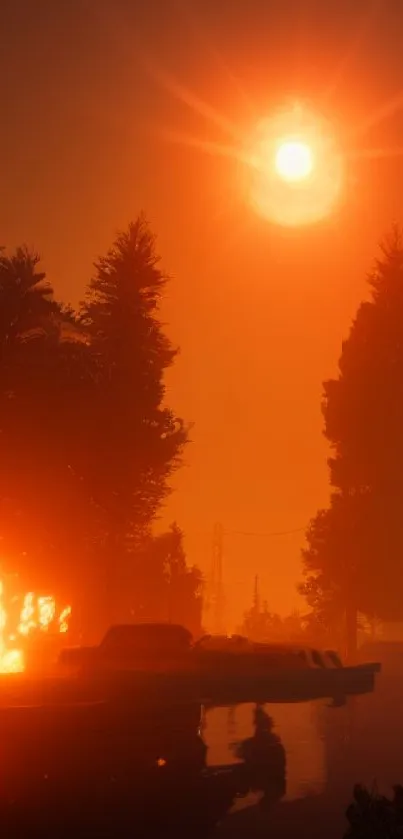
(259, 311)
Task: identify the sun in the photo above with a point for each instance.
(294, 160)
(297, 171)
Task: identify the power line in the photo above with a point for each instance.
(248, 533)
(264, 535)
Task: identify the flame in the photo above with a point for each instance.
(27, 613)
(12, 661)
(46, 611)
(38, 613)
(63, 619)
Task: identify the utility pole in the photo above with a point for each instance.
(216, 581)
(256, 597)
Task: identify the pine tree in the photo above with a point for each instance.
(26, 299)
(135, 440)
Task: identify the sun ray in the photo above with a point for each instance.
(356, 42)
(207, 146)
(129, 41)
(183, 94)
(205, 38)
(388, 109)
(236, 146)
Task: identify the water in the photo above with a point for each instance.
(328, 750)
(277, 770)
(295, 725)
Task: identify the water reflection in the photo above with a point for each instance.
(264, 760)
(297, 725)
(123, 770)
(105, 771)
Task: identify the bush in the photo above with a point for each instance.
(373, 816)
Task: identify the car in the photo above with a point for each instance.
(142, 646)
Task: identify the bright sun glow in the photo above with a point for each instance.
(294, 160)
(296, 168)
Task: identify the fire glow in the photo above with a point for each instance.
(38, 614)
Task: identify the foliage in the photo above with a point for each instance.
(373, 816)
(41, 375)
(166, 588)
(141, 440)
(352, 561)
(136, 440)
(26, 300)
(363, 407)
(87, 442)
(263, 625)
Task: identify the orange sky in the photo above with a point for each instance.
(259, 312)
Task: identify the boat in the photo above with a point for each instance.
(282, 672)
(160, 660)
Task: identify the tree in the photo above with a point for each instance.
(328, 564)
(363, 407)
(261, 625)
(26, 300)
(355, 548)
(136, 441)
(44, 369)
(324, 621)
(161, 586)
(87, 443)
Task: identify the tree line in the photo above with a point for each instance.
(88, 446)
(353, 558)
(87, 441)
